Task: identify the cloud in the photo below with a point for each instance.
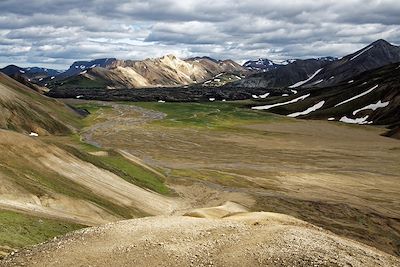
(55, 33)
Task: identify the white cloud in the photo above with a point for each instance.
(55, 33)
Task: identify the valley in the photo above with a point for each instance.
(265, 162)
(321, 172)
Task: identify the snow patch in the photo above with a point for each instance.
(22, 71)
(52, 77)
(41, 79)
(308, 111)
(373, 107)
(211, 99)
(317, 82)
(357, 96)
(282, 104)
(305, 81)
(34, 134)
(331, 119)
(254, 96)
(362, 120)
(285, 95)
(365, 50)
(264, 95)
(83, 72)
(294, 91)
(79, 96)
(161, 101)
(351, 81)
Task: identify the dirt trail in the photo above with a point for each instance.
(139, 162)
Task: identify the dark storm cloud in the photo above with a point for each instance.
(55, 33)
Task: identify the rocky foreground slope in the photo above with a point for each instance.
(220, 236)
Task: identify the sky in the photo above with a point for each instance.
(55, 33)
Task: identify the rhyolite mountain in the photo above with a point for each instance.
(158, 72)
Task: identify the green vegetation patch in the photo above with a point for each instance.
(210, 115)
(94, 109)
(19, 230)
(43, 182)
(82, 82)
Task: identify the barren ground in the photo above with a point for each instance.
(239, 238)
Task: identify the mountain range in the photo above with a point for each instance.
(325, 79)
(284, 75)
(35, 74)
(169, 70)
(360, 88)
(326, 71)
(372, 97)
(113, 73)
(266, 65)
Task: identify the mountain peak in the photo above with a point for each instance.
(381, 42)
(170, 56)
